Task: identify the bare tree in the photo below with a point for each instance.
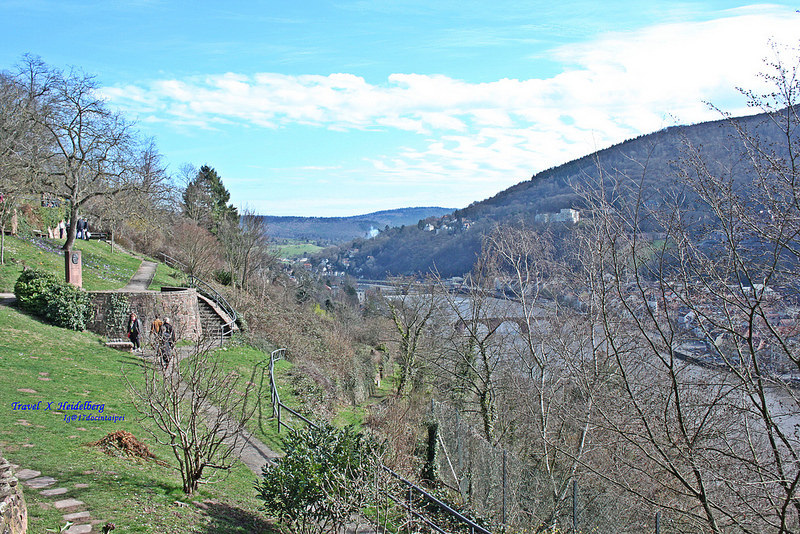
(12, 128)
(474, 352)
(246, 245)
(410, 309)
(195, 247)
(21, 149)
(90, 145)
(558, 368)
(148, 209)
(199, 409)
(702, 329)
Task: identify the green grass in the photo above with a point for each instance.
(297, 249)
(350, 416)
(243, 360)
(138, 496)
(102, 269)
(167, 276)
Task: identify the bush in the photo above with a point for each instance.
(32, 290)
(223, 277)
(324, 478)
(42, 293)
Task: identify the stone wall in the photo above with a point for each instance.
(13, 512)
(112, 309)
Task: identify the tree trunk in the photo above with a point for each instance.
(73, 227)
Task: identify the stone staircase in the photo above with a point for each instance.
(216, 324)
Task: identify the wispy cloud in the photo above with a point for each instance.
(618, 86)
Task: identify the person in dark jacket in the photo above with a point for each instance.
(134, 331)
(167, 340)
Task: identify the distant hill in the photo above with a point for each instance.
(450, 243)
(333, 230)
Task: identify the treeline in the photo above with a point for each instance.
(642, 170)
(335, 230)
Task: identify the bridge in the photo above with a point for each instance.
(493, 323)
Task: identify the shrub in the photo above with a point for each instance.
(68, 307)
(42, 293)
(324, 478)
(32, 290)
(223, 277)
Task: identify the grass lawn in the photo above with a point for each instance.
(297, 249)
(167, 276)
(49, 364)
(243, 360)
(102, 269)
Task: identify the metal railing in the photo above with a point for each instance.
(414, 500)
(210, 293)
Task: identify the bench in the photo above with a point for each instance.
(120, 344)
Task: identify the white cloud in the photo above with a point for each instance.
(613, 88)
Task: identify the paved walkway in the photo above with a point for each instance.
(140, 281)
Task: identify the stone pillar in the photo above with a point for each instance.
(13, 512)
(73, 267)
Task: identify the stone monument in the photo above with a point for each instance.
(72, 267)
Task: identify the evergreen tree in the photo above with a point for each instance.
(205, 200)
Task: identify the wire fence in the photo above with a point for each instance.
(402, 506)
(516, 494)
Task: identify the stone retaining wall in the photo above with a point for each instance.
(13, 511)
(181, 307)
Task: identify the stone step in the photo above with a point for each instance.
(26, 474)
(77, 516)
(79, 529)
(68, 505)
(39, 482)
(53, 492)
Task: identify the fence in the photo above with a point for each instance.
(420, 506)
(515, 493)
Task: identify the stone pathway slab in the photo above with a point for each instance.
(25, 474)
(40, 482)
(53, 492)
(67, 504)
(77, 516)
(79, 529)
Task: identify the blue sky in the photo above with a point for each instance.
(347, 107)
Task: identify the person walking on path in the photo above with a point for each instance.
(155, 330)
(167, 341)
(134, 331)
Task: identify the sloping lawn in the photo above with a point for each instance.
(46, 364)
(252, 364)
(102, 269)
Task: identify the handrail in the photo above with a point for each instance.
(474, 527)
(205, 287)
(277, 406)
(172, 262)
(208, 291)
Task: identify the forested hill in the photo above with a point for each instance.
(330, 230)
(450, 243)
